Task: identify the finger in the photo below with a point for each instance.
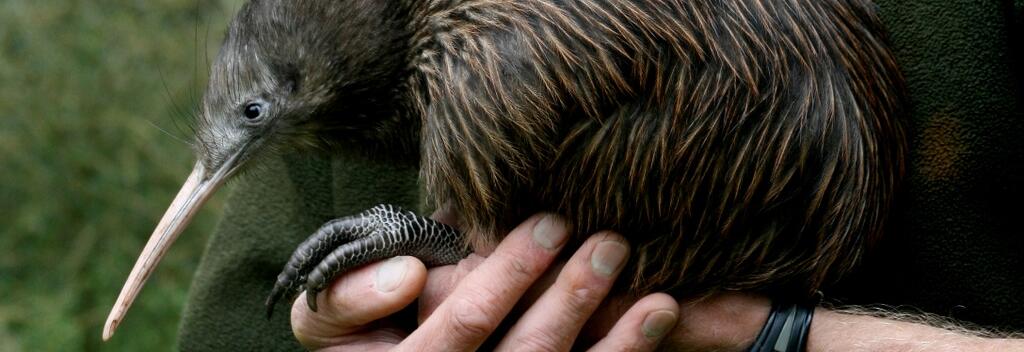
(441, 281)
(643, 326)
(356, 299)
(485, 296)
(553, 322)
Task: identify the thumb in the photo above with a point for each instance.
(357, 299)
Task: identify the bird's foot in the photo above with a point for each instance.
(343, 244)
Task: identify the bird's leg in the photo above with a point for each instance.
(343, 244)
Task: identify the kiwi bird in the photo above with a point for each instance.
(738, 144)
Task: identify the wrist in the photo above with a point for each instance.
(786, 329)
(724, 322)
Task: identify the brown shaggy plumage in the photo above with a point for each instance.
(738, 144)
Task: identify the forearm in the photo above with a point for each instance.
(731, 322)
(839, 331)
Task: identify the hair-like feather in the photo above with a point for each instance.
(738, 144)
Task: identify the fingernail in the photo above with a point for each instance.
(608, 257)
(658, 323)
(390, 274)
(550, 232)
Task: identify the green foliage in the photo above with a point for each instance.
(85, 172)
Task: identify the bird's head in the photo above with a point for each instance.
(290, 74)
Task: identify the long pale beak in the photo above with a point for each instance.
(193, 194)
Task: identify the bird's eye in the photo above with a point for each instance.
(253, 111)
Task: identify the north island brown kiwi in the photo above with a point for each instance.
(738, 144)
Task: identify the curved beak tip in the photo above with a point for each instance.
(193, 194)
(108, 329)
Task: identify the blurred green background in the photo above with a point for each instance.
(86, 88)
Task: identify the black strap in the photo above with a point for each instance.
(786, 329)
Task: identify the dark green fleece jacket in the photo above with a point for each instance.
(955, 247)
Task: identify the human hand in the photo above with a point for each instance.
(463, 305)
(460, 306)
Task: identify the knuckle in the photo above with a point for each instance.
(583, 296)
(517, 265)
(470, 319)
(580, 294)
(519, 269)
(574, 308)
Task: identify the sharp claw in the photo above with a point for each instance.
(275, 295)
(379, 233)
(311, 298)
